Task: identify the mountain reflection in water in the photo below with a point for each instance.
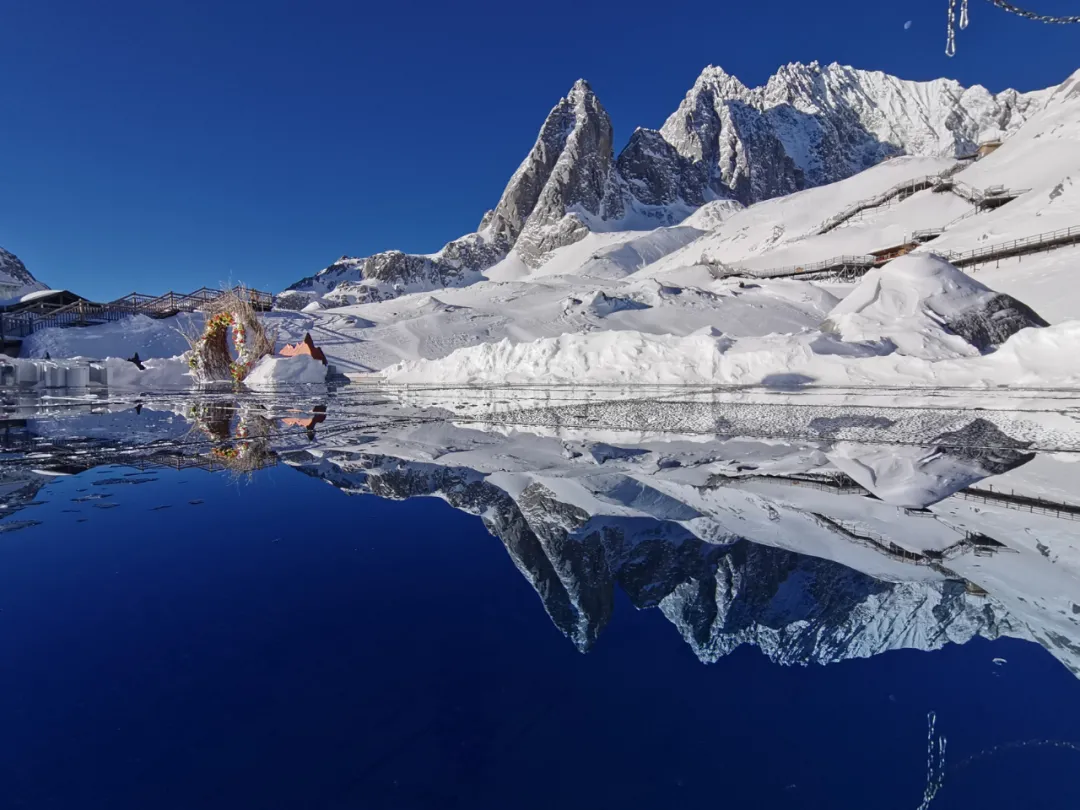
(814, 532)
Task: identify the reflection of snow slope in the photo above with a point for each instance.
(911, 476)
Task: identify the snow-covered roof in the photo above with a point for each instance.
(37, 295)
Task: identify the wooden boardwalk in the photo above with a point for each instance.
(44, 315)
(983, 199)
(848, 268)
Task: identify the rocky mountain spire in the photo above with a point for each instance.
(565, 179)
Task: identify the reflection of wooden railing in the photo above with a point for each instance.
(203, 462)
(1022, 503)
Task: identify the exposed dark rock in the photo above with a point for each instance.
(994, 321)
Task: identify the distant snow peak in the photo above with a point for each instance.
(15, 279)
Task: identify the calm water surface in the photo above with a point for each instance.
(377, 610)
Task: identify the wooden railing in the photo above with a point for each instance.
(851, 266)
(15, 325)
(938, 182)
(837, 264)
(905, 188)
(1015, 247)
(87, 313)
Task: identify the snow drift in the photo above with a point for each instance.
(274, 372)
(917, 320)
(929, 309)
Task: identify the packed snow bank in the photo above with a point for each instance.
(929, 309)
(148, 336)
(274, 372)
(157, 374)
(1033, 357)
(79, 372)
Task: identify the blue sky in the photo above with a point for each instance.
(168, 145)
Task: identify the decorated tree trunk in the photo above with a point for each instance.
(210, 359)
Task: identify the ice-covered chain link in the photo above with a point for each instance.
(950, 28)
(1031, 15)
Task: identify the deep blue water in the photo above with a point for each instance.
(281, 644)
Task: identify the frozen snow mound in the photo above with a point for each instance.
(158, 374)
(277, 372)
(1044, 357)
(608, 356)
(929, 309)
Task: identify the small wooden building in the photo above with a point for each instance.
(888, 254)
(988, 148)
(40, 302)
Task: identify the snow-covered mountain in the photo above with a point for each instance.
(15, 279)
(808, 125)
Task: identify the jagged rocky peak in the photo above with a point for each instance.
(566, 178)
(15, 279)
(656, 174)
(812, 124)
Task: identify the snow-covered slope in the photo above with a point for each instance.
(917, 320)
(15, 279)
(809, 125)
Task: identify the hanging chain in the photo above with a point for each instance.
(1004, 5)
(950, 30)
(1031, 15)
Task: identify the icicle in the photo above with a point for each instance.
(950, 30)
(963, 14)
